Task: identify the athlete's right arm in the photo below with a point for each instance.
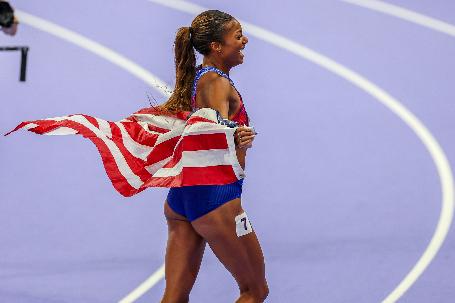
(215, 94)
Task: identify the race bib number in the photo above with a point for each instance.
(242, 225)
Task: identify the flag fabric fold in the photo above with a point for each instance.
(155, 149)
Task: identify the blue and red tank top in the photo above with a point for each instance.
(241, 117)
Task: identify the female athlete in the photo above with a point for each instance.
(211, 214)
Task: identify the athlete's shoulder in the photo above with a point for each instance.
(212, 77)
(212, 82)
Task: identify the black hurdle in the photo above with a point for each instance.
(24, 54)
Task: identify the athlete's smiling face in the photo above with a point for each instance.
(234, 42)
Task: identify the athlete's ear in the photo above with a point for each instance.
(215, 47)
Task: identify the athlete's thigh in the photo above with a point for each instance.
(242, 256)
(184, 252)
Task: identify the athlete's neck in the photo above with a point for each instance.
(219, 65)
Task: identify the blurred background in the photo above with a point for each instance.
(349, 183)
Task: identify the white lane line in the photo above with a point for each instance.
(406, 14)
(144, 287)
(436, 152)
(124, 63)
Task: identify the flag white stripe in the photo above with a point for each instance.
(238, 170)
(30, 125)
(119, 159)
(60, 118)
(62, 130)
(104, 127)
(199, 158)
(153, 168)
(136, 149)
(177, 132)
(160, 121)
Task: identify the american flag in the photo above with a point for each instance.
(153, 149)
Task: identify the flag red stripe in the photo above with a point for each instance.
(162, 150)
(210, 175)
(136, 164)
(197, 119)
(157, 129)
(197, 142)
(138, 134)
(91, 120)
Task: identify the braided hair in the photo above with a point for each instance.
(207, 27)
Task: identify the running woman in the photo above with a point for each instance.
(213, 214)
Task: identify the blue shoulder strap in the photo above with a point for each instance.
(205, 69)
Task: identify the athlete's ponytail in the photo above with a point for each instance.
(207, 27)
(185, 65)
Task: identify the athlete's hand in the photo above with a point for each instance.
(244, 136)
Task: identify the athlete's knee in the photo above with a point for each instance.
(254, 294)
